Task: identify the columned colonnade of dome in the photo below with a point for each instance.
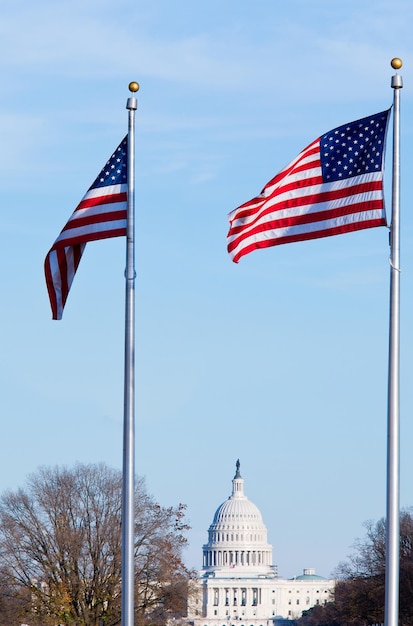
(235, 558)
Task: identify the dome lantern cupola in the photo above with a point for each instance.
(237, 483)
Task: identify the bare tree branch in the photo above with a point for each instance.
(60, 550)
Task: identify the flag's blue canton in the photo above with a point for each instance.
(115, 170)
(353, 149)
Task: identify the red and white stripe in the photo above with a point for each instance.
(297, 205)
(101, 214)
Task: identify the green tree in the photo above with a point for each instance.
(60, 550)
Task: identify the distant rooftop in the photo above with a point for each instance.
(309, 574)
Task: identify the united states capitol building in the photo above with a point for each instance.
(238, 584)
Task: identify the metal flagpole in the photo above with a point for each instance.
(128, 474)
(391, 608)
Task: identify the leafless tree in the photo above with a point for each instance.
(60, 550)
(360, 591)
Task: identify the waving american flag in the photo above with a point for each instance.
(334, 186)
(101, 214)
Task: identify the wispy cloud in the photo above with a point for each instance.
(71, 39)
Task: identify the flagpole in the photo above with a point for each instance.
(128, 474)
(391, 608)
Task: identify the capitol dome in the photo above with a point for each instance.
(237, 585)
(237, 537)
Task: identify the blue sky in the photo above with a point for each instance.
(280, 361)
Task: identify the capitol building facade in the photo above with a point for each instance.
(238, 584)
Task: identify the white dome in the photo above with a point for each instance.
(237, 537)
(241, 509)
(237, 513)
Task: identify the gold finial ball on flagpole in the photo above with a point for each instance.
(133, 86)
(396, 63)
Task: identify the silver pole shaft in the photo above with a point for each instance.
(128, 482)
(393, 424)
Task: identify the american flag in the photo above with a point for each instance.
(101, 214)
(334, 186)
